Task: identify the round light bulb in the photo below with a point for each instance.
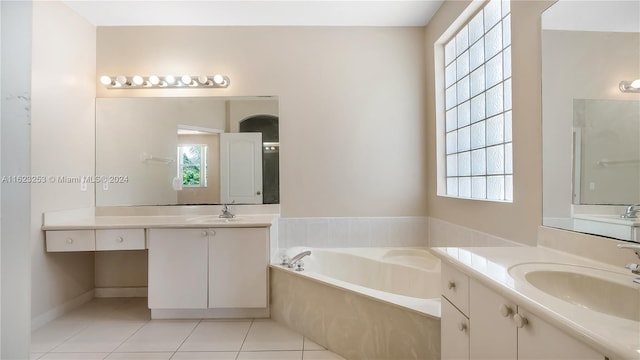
(138, 80)
(218, 79)
(186, 79)
(170, 79)
(105, 80)
(154, 80)
(122, 80)
(635, 84)
(203, 79)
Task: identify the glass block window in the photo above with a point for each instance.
(478, 106)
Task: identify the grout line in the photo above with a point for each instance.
(187, 337)
(245, 338)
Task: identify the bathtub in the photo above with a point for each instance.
(363, 303)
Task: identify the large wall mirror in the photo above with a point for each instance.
(591, 129)
(187, 150)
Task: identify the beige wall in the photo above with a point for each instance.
(351, 104)
(519, 220)
(62, 128)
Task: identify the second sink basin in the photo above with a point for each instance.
(590, 288)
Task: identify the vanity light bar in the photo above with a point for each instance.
(164, 82)
(630, 86)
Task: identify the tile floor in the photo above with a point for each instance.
(122, 329)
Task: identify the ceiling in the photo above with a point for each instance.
(256, 13)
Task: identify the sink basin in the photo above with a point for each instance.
(594, 289)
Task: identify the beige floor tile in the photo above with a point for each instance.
(199, 355)
(270, 355)
(269, 335)
(321, 355)
(74, 356)
(217, 336)
(35, 356)
(140, 356)
(55, 333)
(159, 336)
(102, 336)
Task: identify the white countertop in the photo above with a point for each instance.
(615, 337)
(155, 221)
(609, 219)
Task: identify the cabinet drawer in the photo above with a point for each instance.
(455, 287)
(72, 240)
(120, 239)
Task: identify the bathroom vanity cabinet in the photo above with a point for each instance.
(479, 323)
(214, 268)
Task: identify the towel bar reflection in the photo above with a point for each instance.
(605, 162)
(148, 158)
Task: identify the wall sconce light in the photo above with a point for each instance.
(161, 82)
(630, 86)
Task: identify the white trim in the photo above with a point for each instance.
(219, 313)
(62, 309)
(123, 292)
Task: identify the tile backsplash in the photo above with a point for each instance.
(443, 233)
(353, 232)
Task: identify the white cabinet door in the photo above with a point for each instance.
(238, 267)
(454, 328)
(537, 340)
(178, 268)
(241, 168)
(493, 334)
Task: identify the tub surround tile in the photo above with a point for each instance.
(353, 326)
(321, 355)
(446, 234)
(311, 345)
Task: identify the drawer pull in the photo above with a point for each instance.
(452, 285)
(462, 327)
(505, 310)
(520, 321)
(119, 239)
(69, 241)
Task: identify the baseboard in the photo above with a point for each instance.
(125, 292)
(222, 313)
(58, 311)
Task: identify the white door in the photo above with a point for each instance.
(241, 168)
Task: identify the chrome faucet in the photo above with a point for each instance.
(226, 212)
(296, 261)
(632, 212)
(635, 268)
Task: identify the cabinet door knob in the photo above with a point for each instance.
(204, 233)
(69, 241)
(452, 285)
(505, 310)
(119, 239)
(462, 326)
(212, 233)
(520, 321)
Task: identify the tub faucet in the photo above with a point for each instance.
(635, 268)
(295, 262)
(632, 212)
(226, 212)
